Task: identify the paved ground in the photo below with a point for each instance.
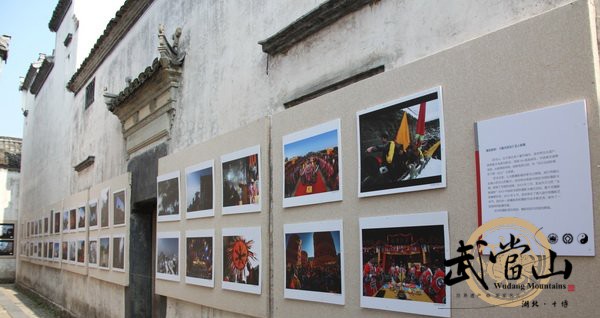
(16, 304)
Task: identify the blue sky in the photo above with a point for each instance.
(307, 241)
(313, 143)
(26, 21)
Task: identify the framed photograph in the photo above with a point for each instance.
(56, 222)
(119, 201)
(167, 198)
(81, 218)
(7, 231)
(46, 225)
(93, 252)
(56, 250)
(72, 219)
(241, 181)
(7, 247)
(103, 206)
(65, 221)
(93, 218)
(118, 255)
(401, 145)
(50, 222)
(80, 252)
(199, 193)
(104, 253)
(28, 229)
(402, 263)
(167, 255)
(314, 262)
(241, 259)
(40, 227)
(72, 251)
(50, 250)
(44, 249)
(312, 165)
(199, 247)
(64, 251)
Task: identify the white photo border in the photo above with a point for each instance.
(166, 235)
(420, 187)
(248, 232)
(165, 177)
(319, 226)
(251, 207)
(316, 198)
(194, 280)
(408, 220)
(125, 197)
(201, 166)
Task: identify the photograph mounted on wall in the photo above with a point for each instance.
(93, 219)
(103, 254)
(46, 225)
(57, 222)
(199, 180)
(56, 251)
(65, 221)
(402, 259)
(104, 207)
(312, 166)
(73, 219)
(81, 218)
(199, 260)
(242, 259)
(241, 181)
(7, 230)
(7, 247)
(167, 198)
(167, 255)
(81, 251)
(118, 255)
(119, 208)
(93, 252)
(72, 251)
(64, 250)
(401, 145)
(314, 264)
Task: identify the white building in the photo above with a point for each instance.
(142, 94)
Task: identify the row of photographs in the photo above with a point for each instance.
(76, 219)
(401, 148)
(74, 251)
(401, 261)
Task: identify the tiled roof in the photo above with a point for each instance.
(116, 29)
(4, 40)
(32, 72)
(42, 75)
(135, 84)
(314, 21)
(59, 14)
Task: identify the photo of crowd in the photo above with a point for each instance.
(104, 252)
(104, 207)
(168, 195)
(311, 162)
(119, 208)
(199, 257)
(241, 258)
(404, 263)
(167, 256)
(241, 181)
(199, 189)
(401, 146)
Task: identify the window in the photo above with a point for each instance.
(89, 93)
